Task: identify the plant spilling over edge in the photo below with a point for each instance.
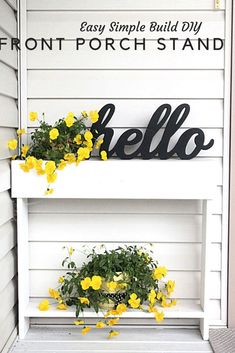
(68, 141)
(111, 282)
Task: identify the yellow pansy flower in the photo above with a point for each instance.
(50, 167)
(88, 136)
(152, 309)
(61, 279)
(70, 158)
(78, 139)
(121, 308)
(44, 305)
(62, 165)
(33, 116)
(174, 302)
(83, 153)
(20, 132)
(54, 133)
(86, 283)
(49, 191)
(84, 300)
(113, 333)
(24, 167)
(159, 316)
(13, 157)
(98, 143)
(51, 178)
(100, 324)
(12, 144)
(89, 145)
(152, 296)
(110, 313)
(103, 155)
(79, 322)
(53, 293)
(85, 330)
(31, 162)
(96, 282)
(113, 322)
(62, 307)
(94, 115)
(84, 114)
(24, 150)
(134, 301)
(170, 287)
(159, 295)
(159, 273)
(71, 251)
(112, 286)
(69, 120)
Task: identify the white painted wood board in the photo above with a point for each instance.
(7, 19)
(8, 112)
(7, 211)
(150, 58)
(8, 83)
(188, 283)
(114, 5)
(7, 55)
(66, 24)
(123, 180)
(7, 238)
(116, 84)
(130, 113)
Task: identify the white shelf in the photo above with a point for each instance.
(181, 310)
(115, 179)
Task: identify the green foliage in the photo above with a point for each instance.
(42, 147)
(130, 267)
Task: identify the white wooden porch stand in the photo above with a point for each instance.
(115, 179)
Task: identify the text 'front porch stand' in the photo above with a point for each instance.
(115, 179)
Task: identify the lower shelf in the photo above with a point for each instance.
(181, 310)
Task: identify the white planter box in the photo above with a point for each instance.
(119, 179)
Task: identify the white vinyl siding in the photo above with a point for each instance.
(137, 83)
(8, 125)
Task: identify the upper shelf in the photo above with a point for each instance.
(121, 179)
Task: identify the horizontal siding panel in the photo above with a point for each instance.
(9, 264)
(130, 113)
(8, 112)
(7, 327)
(7, 55)
(7, 19)
(7, 212)
(150, 58)
(74, 206)
(117, 84)
(5, 174)
(5, 135)
(12, 3)
(176, 257)
(215, 151)
(187, 283)
(8, 299)
(131, 228)
(122, 5)
(7, 238)
(67, 24)
(8, 82)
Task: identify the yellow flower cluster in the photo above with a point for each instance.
(134, 301)
(159, 273)
(95, 283)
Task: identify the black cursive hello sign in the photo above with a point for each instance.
(163, 117)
